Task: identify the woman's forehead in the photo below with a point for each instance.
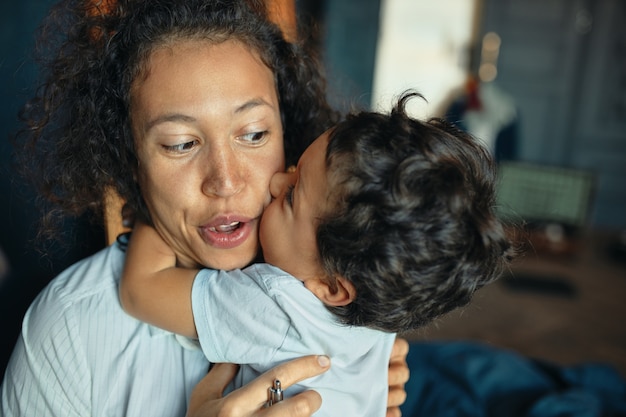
(202, 80)
(223, 62)
(178, 45)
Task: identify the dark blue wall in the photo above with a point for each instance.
(30, 269)
(349, 35)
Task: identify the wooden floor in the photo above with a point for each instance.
(568, 307)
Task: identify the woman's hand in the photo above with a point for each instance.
(249, 400)
(398, 376)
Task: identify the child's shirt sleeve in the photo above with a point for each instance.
(236, 319)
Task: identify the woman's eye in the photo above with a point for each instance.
(289, 195)
(181, 147)
(254, 137)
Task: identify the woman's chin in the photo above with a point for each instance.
(235, 258)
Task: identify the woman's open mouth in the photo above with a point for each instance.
(227, 234)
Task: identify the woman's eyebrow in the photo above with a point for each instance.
(179, 117)
(172, 117)
(252, 104)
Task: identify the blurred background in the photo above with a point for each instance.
(541, 82)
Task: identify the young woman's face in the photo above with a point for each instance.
(209, 137)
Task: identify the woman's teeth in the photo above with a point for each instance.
(225, 227)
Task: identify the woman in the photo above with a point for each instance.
(186, 108)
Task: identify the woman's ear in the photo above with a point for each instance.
(345, 294)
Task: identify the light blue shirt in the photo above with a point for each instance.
(262, 316)
(79, 354)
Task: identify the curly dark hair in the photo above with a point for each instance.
(77, 141)
(414, 225)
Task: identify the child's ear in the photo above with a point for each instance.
(345, 294)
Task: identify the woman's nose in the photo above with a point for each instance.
(224, 177)
(280, 181)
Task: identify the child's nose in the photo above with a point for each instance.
(280, 181)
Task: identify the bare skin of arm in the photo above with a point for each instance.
(153, 289)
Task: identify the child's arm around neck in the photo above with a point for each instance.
(152, 288)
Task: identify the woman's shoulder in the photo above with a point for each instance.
(96, 276)
(89, 275)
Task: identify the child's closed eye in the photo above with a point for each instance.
(289, 195)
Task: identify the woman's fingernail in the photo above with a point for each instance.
(323, 360)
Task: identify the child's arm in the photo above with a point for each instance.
(152, 288)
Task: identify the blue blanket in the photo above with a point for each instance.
(466, 379)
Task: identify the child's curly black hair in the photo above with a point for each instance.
(414, 226)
